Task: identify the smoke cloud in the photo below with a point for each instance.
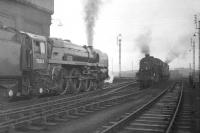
(143, 41)
(172, 55)
(91, 10)
(180, 49)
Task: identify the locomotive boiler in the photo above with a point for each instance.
(34, 65)
(151, 70)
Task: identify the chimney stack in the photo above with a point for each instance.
(147, 55)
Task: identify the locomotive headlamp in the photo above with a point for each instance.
(10, 93)
(41, 90)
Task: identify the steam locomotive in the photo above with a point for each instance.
(151, 70)
(34, 65)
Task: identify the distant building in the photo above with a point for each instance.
(27, 15)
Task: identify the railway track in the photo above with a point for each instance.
(10, 119)
(184, 122)
(108, 88)
(80, 97)
(158, 115)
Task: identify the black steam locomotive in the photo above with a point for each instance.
(34, 65)
(151, 70)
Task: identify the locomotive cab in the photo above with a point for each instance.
(21, 54)
(34, 53)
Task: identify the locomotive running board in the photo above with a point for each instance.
(73, 63)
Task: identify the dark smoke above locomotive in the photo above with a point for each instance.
(33, 65)
(152, 70)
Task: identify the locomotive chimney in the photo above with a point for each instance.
(90, 46)
(146, 55)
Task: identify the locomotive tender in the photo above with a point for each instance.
(34, 65)
(152, 70)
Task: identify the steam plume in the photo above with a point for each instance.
(91, 10)
(179, 50)
(110, 80)
(172, 55)
(143, 42)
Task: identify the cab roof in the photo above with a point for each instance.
(33, 36)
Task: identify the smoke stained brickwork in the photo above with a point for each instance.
(27, 15)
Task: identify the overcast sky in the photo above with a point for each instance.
(169, 22)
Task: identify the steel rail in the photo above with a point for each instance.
(52, 102)
(57, 104)
(61, 97)
(64, 109)
(169, 128)
(116, 126)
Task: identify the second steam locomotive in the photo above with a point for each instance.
(152, 70)
(33, 65)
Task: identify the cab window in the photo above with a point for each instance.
(39, 47)
(36, 46)
(42, 47)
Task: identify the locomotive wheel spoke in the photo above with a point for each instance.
(64, 83)
(90, 85)
(75, 83)
(100, 84)
(87, 85)
(65, 87)
(95, 85)
(83, 85)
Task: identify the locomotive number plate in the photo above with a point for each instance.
(40, 60)
(69, 58)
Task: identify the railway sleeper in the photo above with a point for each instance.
(25, 126)
(141, 130)
(154, 119)
(46, 115)
(75, 112)
(148, 126)
(157, 121)
(58, 118)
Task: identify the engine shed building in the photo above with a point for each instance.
(32, 16)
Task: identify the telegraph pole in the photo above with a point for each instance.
(197, 104)
(119, 39)
(199, 49)
(132, 68)
(190, 68)
(197, 22)
(112, 65)
(193, 52)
